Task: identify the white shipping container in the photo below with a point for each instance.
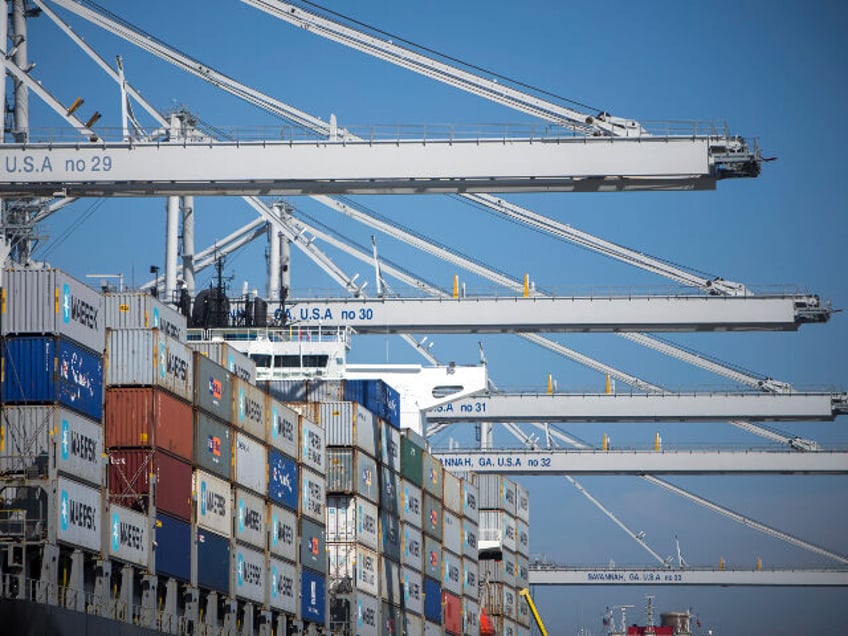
(250, 518)
(432, 629)
(249, 408)
(129, 536)
(451, 572)
(283, 428)
(233, 360)
(140, 310)
(250, 574)
(411, 546)
(413, 590)
(283, 532)
(522, 540)
(283, 587)
(470, 578)
(452, 493)
(470, 500)
(470, 617)
(509, 628)
(141, 357)
(452, 532)
(313, 495)
(349, 424)
(412, 625)
(251, 459)
(470, 534)
(367, 615)
(411, 503)
(522, 503)
(522, 611)
(522, 571)
(214, 509)
(389, 445)
(312, 446)
(79, 514)
(352, 519)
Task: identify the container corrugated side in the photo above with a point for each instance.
(432, 600)
(470, 538)
(470, 498)
(149, 418)
(213, 445)
(129, 481)
(313, 452)
(352, 519)
(212, 561)
(144, 357)
(413, 625)
(282, 526)
(79, 513)
(470, 578)
(224, 354)
(502, 571)
(470, 617)
(213, 387)
(283, 428)
(313, 597)
(390, 535)
(522, 503)
(357, 611)
(35, 438)
(357, 563)
(452, 493)
(350, 471)
(173, 547)
(309, 410)
(138, 310)
(391, 585)
(451, 572)
(349, 424)
(411, 546)
(522, 612)
(431, 520)
(431, 628)
(490, 491)
(48, 301)
(313, 550)
(283, 480)
(522, 571)
(391, 621)
(452, 532)
(411, 460)
(411, 503)
(251, 463)
(500, 600)
(214, 503)
(522, 537)
(413, 592)
(389, 445)
(250, 525)
(313, 489)
(433, 558)
(325, 391)
(500, 522)
(453, 613)
(284, 586)
(250, 574)
(285, 390)
(45, 370)
(389, 489)
(249, 408)
(129, 536)
(433, 475)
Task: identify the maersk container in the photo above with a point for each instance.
(433, 558)
(349, 424)
(431, 520)
(506, 627)
(224, 354)
(389, 489)
(522, 571)
(501, 571)
(129, 481)
(312, 446)
(249, 409)
(377, 396)
(313, 550)
(352, 519)
(451, 572)
(355, 613)
(173, 547)
(453, 613)
(144, 417)
(214, 503)
(391, 585)
(501, 524)
(496, 493)
(48, 301)
(350, 471)
(325, 391)
(35, 438)
(522, 537)
(129, 536)
(139, 310)
(522, 612)
(470, 534)
(52, 370)
(251, 461)
(470, 617)
(282, 526)
(411, 460)
(390, 535)
(433, 629)
(470, 578)
(411, 546)
(213, 387)
(313, 597)
(470, 498)
(285, 390)
(283, 480)
(500, 600)
(413, 590)
(433, 475)
(79, 513)
(356, 563)
(452, 532)
(250, 574)
(411, 503)
(522, 503)
(390, 619)
(283, 586)
(283, 428)
(213, 561)
(141, 357)
(313, 497)
(250, 525)
(389, 445)
(432, 600)
(213, 445)
(412, 625)
(452, 493)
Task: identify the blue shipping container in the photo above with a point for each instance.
(51, 369)
(283, 482)
(213, 561)
(313, 600)
(173, 547)
(285, 390)
(432, 600)
(376, 396)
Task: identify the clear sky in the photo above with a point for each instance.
(774, 71)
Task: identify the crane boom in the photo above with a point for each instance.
(525, 594)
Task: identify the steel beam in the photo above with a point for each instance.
(555, 575)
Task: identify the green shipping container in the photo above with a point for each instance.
(411, 461)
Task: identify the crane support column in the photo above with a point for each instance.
(172, 229)
(188, 244)
(21, 132)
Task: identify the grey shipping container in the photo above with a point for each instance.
(250, 574)
(452, 493)
(141, 357)
(356, 563)
(313, 495)
(470, 578)
(431, 520)
(496, 493)
(522, 537)
(353, 519)
(251, 463)
(38, 437)
(312, 446)
(213, 445)
(214, 509)
(452, 532)
(48, 301)
(499, 600)
(250, 523)
(433, 558)
(129, 536)
(355, 611)
(522, 613)
(325, 391)
(282, 526)
(522, 503)
(389, 489)
(389, 445)
(501, 523)
(351, 471)
(470, 498)
(413, 590)
(391, 586)
(432, 475)
(411, 546)
(522, 571)
(391, 621)
(79, 513)
(313, 550)
(349, 424)
(470, 617)
(138, 310)
(432, 629)
(233, 360)
(470, 535)
(390, 535)
(286, 390)
(284, 585)
(411, 503)
(213, 387)
(451, 572)
(248, 408)
(502, 571)
(413, 625)
(283, 428)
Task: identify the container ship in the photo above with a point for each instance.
(157, 477)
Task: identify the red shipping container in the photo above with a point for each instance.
(129, 481)
(453, 613)
(148, 418)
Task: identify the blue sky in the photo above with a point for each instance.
(772, 71)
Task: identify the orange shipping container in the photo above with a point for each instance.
(148, 418)
(453, 613)
(130, 473)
